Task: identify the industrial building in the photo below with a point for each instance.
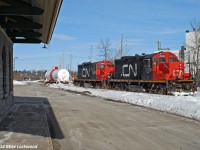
(192, 46)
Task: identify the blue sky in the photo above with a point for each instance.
(83, 23)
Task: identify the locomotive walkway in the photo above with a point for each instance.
(55, 119)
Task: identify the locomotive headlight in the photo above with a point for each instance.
(180, 66)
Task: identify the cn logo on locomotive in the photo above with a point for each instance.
(177, 73)
(85, 72)
(130, 70)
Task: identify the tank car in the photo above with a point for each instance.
(57, 75)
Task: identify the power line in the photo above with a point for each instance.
(63, 60)
(37, 57)
(71, 63)
(121, 50)
(91, 52)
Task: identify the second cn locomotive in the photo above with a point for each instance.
(94, 74)
(160, 72)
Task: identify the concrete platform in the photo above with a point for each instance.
(78, 122)
(26, 126)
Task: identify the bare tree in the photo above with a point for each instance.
(104, 46)
(193, 47)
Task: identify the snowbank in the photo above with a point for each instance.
(23, 82)
(19, 83)
(187, 106)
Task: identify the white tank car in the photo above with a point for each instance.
(57, 75)
(61, 75)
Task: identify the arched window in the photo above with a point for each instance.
(4, 71)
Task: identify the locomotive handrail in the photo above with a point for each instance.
(167, 67)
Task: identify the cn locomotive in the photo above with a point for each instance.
(94, 74)
(160, 72)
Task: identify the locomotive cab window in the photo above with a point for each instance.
(155, 61)
(147, 63)
(171, 59)
(176, 59)
(109, 65)
(162, 59)
(102, 66)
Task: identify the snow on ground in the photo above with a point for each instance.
(187, 106)
(15, 82)
(19, 82)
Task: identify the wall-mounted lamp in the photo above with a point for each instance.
(45, 46)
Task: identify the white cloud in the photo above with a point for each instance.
(63, 37)
(196, 2)
(134, 42)
(170, 31)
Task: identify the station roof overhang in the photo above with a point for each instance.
(29, 21)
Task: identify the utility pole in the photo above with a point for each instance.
(91, 52)
(14, 63)
(159, 45)
(121, 46)
(41, 71)
(63, 61)
(68, 66)
(60, 62)
(70, 63)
